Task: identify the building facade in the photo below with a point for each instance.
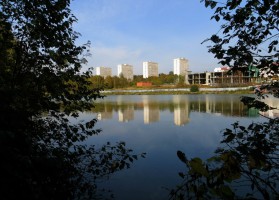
(125, 70)
(223, 78)
(103, 71)
(150, 69)
(180, 66)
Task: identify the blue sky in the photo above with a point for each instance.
(134, 31)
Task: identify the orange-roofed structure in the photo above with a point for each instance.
(144, 84)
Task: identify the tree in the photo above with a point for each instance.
(137, 78)
(248, 34)
(97, 81)
(41, 87)
(248, 156)
(248, 159)
(109, 82)
(180, 80)
(155, 80)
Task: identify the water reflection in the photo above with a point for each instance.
(180, 105)
(160, 125)
(274, 103)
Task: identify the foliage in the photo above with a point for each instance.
(248, 158)
(137, 78)
(97, 82)
(43, 153)
(121, 82)
(248, 34)
(194, 88)
(154, 80)
(180, 81)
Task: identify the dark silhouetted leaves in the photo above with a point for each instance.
(42, 88)
(182, 157)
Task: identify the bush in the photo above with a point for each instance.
(194, 88)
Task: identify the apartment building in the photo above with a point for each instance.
(180, 66)
(103, 71)
(125, 70)
(150, 69)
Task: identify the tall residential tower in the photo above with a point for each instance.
(103, 71)
(180, 66)
(150, 69)
(125, 70)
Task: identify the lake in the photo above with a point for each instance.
(159, 125)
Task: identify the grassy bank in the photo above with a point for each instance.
(177, 91)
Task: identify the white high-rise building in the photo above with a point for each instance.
(103, 71)
(126, 70)
(180, 66)
(150, 69)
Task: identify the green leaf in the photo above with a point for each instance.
(197, 166)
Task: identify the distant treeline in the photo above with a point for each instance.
(121, 82)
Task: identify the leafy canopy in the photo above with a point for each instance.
(249, 33)
(43, 154)
(248, 156)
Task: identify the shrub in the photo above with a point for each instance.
(194, 88)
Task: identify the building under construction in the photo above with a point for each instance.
(225, 76)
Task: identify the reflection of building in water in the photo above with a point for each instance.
(126, 114)
(151, 113)
(181, 116)
(253, 112)
(227, 106)
(181, 110)
(270, 113)
(274, 103)
(104, 115)
(179, 105)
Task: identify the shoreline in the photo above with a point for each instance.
(233, 90)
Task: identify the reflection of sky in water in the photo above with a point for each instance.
(160, 140)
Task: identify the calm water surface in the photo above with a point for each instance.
(160, 125)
